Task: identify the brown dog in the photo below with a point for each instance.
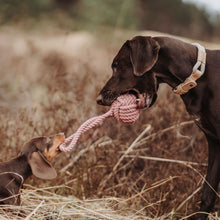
(144, 62)
(34, 159)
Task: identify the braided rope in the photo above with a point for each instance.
(124, 109)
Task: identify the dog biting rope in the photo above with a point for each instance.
(124, 109)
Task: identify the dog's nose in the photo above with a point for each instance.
(99, 100)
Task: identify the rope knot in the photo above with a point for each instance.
(125, 110)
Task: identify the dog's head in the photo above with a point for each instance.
(132, 72)
(39, 152)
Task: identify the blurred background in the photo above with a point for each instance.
(55, 56)
(192, 18)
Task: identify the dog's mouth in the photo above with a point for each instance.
(144, 100)
(53, 151)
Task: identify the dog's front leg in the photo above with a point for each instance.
(212, 179)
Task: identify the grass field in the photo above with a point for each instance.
(153, 169)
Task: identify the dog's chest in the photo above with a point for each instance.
(203, 126)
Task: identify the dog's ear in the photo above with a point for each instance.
(40, 167)
(144, 54)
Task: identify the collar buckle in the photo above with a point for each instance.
(190, 82)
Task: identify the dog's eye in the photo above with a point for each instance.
(115, 65)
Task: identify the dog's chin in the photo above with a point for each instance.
(107, 102)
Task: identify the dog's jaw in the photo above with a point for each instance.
(144, 100)
(53, 150)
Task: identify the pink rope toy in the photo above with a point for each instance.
(124, 109)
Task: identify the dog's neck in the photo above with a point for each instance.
(175, 64)
(18, 165)
(174, 67)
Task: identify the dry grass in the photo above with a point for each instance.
(41, 203)
(151, 170)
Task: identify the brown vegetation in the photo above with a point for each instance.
(49, 84)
